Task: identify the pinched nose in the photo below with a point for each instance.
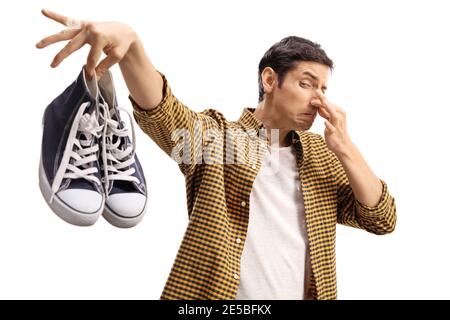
(316, 103)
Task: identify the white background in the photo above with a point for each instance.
(391, 76)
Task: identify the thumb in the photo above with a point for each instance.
(106, 63)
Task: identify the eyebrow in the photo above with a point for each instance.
(314, 77)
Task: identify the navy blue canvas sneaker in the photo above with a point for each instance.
(123, 177)
(69, 175)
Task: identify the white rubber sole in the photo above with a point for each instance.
(123, 222)
(61, 209)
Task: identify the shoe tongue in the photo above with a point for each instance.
(90, 85)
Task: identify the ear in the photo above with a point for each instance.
(269, 79)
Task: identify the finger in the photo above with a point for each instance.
(323, 113)
(328, 106)
(55, 16)
(324, 101)
(71, 47)
(111, 59)
(329, 126)
(66, 34)
(68, 22)
(93, 57)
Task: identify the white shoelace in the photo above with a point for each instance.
(84, 153)
(116, 157)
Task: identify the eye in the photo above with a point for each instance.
(305, 84)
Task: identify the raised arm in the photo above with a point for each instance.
(363, 200)
(176, 129)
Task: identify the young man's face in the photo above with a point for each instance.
(296, 102)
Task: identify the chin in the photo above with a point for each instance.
(303, 123)
(303, 126)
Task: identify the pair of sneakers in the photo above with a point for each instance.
(88, 166)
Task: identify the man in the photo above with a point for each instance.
(263, 194)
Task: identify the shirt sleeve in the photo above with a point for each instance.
(380, 219)
(175, 128)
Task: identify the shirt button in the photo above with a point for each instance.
(243, 203)
(238, 240)
(236, 276)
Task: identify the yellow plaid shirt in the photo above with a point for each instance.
(207, 265)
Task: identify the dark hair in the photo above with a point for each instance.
(284, 55)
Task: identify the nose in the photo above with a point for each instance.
(316, 103)
(315, 99)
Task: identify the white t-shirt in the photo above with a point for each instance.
(275, 261)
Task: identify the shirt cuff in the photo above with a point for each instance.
(156, 113)
(380, 208)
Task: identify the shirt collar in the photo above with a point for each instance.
(249, 121)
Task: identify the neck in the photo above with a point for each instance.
(269, 118)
